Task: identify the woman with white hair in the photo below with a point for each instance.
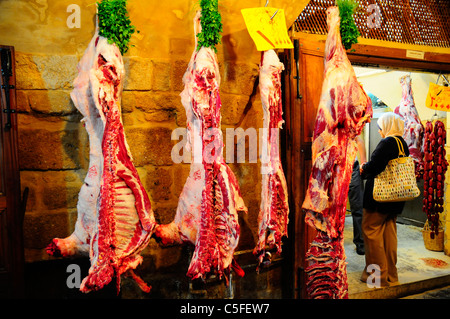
(379, 219)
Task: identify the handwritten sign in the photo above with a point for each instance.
(438, 97)
(267, 27)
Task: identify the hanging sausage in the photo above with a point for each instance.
(434, 173)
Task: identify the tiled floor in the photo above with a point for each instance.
(415, 275)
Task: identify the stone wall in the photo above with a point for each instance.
(54, 148)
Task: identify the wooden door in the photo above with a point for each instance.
(11, 208)
(303, 86)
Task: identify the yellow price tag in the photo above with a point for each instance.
(438, 97)
(267, 27)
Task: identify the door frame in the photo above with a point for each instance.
(11, 205)
(298, 150)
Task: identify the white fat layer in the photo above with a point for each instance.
(94, 124)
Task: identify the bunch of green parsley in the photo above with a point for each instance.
(348, 29)
(114, 23)
(211, 23)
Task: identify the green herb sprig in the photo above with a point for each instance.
(349, 31)
(211, 23)
(114, 23)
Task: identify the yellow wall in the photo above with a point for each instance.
(40, 26)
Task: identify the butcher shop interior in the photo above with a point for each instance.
(206, 149)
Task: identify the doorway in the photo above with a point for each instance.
(302, 88)
(12, 208)
(384, 88)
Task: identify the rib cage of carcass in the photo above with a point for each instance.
(207, 213)
(115, 219)
(274, 208)
(343, 110)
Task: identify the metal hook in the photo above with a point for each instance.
(267, 3)
(439, 76)
(274, 14)
(434, 116)
(443, 77)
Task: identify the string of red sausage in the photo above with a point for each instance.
(434, 175)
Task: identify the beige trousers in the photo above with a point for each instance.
(380, 243)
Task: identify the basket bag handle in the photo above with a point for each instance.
(401, 150)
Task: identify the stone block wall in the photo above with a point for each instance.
(53, 144)
(54, 153)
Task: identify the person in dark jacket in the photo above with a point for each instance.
(379, 219)
(355, 197)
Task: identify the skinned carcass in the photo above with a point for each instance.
(115, 218)
(414, 130)
(207, 213)
(343, 110)
(274, 209)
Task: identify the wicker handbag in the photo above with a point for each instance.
(397, 183)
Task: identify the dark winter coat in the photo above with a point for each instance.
(386, 150)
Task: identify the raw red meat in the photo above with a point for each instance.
(207, 213)
(326, 268)
(344, 109)
(414, 131)
(115, 218)
(274, 210)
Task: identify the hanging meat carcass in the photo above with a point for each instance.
(414, 130)
(207, 213)
(343, 110)
(115, 219)
(274, 209)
